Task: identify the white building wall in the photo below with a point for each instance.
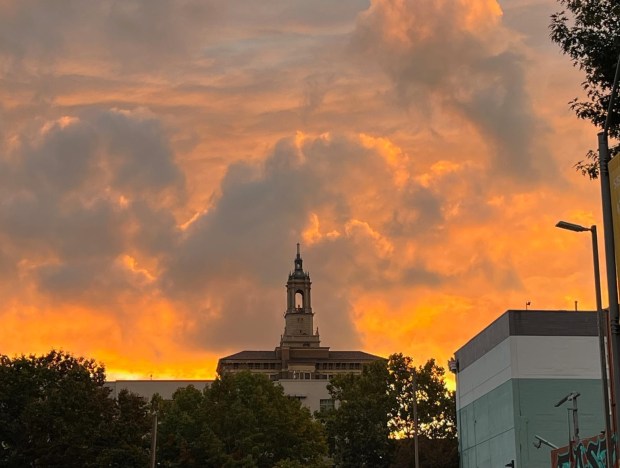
(148, 388)
(309, 392)
(529, 357)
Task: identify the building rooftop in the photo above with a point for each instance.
(251, 355)
(527, 323)
(271, 355)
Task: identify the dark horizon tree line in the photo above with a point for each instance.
(56, 411)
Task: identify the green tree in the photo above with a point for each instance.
(588, 32)
(185, 437)
(436, 408)
(436, 404)
(128, 442)
(240, 420)
(358, 431)
(56, 411)
(374, 425)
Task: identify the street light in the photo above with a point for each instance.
(602, 328)
(573, 227)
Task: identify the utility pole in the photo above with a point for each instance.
(154, 437)
(574, 440)
(602, 333)
(610, 260)
(415, 419)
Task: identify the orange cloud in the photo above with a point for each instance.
(155, 180)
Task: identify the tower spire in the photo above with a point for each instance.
(299, 270)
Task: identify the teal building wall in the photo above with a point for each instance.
(500, 426)
(510, 376)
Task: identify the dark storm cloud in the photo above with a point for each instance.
(89, 282)
(134, 35)
(237, 251)
(263, 206)
(436, 59)
(420, 211)
(81, 194)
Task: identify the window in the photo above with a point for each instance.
(337, 365)
(326, 405)
(235, 365)
(250, 365)
(330, 365)
(265, 365)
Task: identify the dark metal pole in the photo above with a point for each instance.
(154, 441)
(602, 333)
(612, 285)
(416, 446)
(610, 254)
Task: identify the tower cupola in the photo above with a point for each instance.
(298, 328)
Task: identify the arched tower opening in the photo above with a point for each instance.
(299, 299)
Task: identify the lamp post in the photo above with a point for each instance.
(602, 325)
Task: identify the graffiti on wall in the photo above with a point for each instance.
(589, 453)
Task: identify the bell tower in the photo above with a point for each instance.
(299, 318)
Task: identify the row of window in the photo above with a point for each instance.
(339, 365)
(311, 376)
(301, 376)
(255, 365)
(319, 366)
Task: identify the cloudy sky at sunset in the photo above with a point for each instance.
(160, 159)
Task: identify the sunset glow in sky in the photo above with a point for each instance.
(160, 159)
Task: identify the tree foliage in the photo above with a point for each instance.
(375, 419)
(588, 32)
(436, 404)
(128, 443)
(241, 420)
(55, 411)
(357, 430)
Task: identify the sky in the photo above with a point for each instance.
(160, 159)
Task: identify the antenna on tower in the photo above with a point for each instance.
(298, 252)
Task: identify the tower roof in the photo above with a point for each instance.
(299, 269)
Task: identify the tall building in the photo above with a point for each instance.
(511, 376)
(299, 356)
(299, 363)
